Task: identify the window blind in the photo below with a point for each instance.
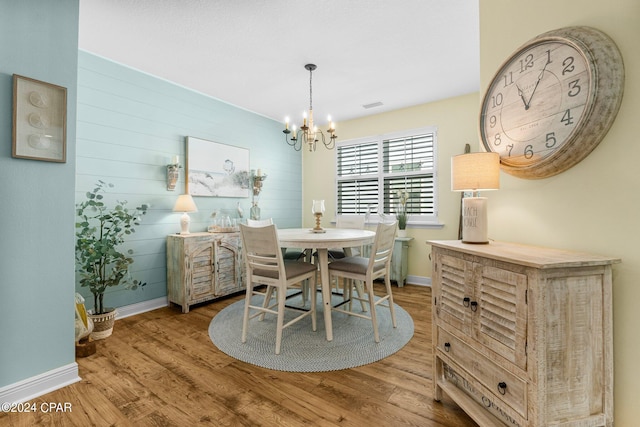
(371, 171)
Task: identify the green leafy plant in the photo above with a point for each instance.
(99, 233)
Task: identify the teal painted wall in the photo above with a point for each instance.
(131, 124)
(38, 39)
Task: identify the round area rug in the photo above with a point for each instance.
(303, 350)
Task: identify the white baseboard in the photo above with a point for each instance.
(141, 307)
(419, 280)
(47, 382)
(44, 383)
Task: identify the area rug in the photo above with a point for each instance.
(304, 350)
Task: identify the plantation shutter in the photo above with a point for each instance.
(371, 171)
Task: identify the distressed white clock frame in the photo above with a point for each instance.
(606, 71)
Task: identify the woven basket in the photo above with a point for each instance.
(103, 324)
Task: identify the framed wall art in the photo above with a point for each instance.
(39, 120)
(216, 170)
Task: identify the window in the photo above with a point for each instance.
(371, 170)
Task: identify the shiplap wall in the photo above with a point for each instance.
(131, 124)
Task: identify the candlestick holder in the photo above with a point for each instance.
(317, 228)
(173, 174)
(318, 209)
(257, 183)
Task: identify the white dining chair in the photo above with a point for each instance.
(287, 253)
(347, 221)
(359, 268)
(304, 287)
(265, 266)
(356, 222)
(259, 222)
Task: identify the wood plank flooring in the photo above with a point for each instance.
(160, 369)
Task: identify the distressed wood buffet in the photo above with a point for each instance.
(203, 266)
(523, 335)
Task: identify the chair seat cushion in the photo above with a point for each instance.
(352, 264)
(291, 268)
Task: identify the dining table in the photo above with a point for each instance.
(321, 242)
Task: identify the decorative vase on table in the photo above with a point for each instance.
(402, 196)
(255, 211)
(401, 215)
(103, 324)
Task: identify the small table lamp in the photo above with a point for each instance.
(475, 172)
(185, 204)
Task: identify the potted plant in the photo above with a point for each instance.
(100, 263)
(401, 211)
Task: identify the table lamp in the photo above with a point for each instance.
(475, 172)
(185, 204)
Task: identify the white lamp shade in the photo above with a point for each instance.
(475, 172)
(185, 203)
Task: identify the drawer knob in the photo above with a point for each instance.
(447, 347)
(474, 305)
(502, 388)
(465, 301)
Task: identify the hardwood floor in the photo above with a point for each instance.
(160, 369)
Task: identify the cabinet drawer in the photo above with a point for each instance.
(502, 385)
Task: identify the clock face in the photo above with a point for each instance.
(553, 101)
(536, 103)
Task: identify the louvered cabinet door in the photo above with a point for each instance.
(228, 279)
(500, 322)
(190, 274)
(453, 291)
(199, 259)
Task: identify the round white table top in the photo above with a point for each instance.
(333, 238)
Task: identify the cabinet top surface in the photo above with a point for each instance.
(202, 234)
(533, 256)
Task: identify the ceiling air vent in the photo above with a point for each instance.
(372, 105)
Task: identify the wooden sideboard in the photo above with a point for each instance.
(522, 335)
(203, 267)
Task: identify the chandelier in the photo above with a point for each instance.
(308, 133)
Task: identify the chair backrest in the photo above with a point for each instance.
(382, 249)
(350, 221)
(259, 222)
(262, 253)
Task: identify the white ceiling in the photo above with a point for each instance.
(251, 53)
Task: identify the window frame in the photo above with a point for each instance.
(413, 220)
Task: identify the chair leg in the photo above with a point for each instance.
(267, 299)
(360, 291)
(314, 296)
(387, 284)
(304, 288)
(281, 295)
(245, 316)
(372, 307)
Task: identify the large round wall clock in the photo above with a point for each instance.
(552, 101)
